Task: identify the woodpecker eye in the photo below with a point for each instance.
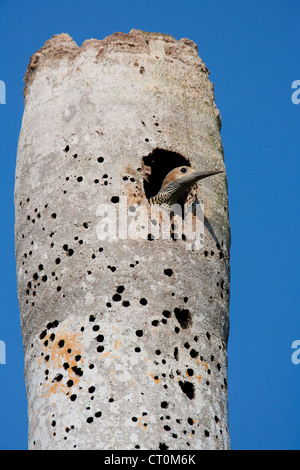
(183, 170)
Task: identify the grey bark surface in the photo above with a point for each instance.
(125, 341)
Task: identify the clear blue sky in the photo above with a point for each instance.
(252, 51)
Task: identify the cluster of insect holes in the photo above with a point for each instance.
(183, 318)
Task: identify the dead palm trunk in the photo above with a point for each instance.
(124, 337)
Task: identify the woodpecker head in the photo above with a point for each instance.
(185, 176)
(179, 181)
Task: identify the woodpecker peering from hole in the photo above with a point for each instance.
(177, 182)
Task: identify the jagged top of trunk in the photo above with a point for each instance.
(62, 46)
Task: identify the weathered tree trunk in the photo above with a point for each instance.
(125, 339)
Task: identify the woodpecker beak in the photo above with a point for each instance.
(200, 175)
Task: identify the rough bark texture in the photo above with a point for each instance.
(125, 340)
